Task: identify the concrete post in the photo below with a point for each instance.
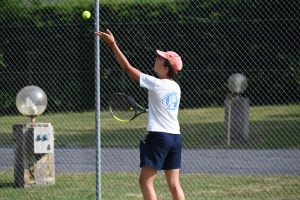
(237, 126)
(33, 156)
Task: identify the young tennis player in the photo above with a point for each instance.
(161, 148)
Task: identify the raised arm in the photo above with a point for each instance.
(126, 67)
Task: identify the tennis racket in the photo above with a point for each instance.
(124, 108)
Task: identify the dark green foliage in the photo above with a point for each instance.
(50, 45)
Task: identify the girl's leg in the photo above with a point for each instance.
(172, 177)
(146, 182)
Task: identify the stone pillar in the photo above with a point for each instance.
(237, 126)
(33, 154)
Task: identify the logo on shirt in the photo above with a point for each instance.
(171, 100)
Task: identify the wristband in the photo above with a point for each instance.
(111, 44)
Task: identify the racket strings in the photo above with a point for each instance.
(122, 107)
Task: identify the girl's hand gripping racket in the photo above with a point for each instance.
(124, 108)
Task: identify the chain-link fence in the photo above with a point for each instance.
(236, 145)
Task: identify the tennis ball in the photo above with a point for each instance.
(131, 108)
(86, 14)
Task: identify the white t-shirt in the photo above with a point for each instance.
(163, 104)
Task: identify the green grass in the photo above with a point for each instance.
(270, 127)
(125, 186)
(137, 1)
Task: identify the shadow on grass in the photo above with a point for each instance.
(285, 116)
(6, 185)
(271, 134)
(125, 138)
(6, 138)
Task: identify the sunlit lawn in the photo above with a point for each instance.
(115, 186)
(270, 127)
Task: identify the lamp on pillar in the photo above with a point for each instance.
(31, 101)
(237, 110)
(237, 83)
(33, 142)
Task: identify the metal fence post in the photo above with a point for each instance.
(97, 106)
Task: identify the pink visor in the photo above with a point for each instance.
(173, 58)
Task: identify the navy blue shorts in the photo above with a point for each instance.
(161, 151)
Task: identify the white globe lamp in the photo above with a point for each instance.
(31, 101)
(237, 83)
